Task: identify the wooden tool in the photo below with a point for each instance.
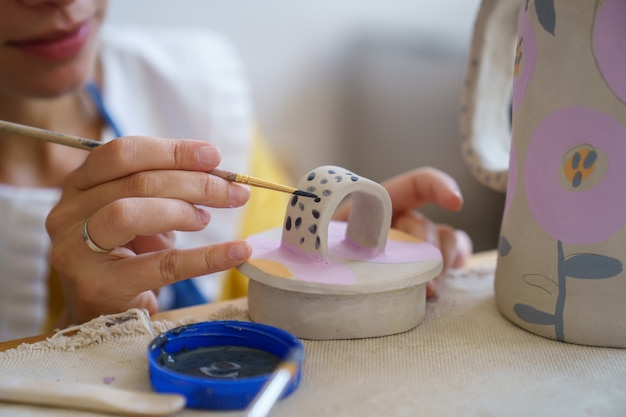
(89, 397)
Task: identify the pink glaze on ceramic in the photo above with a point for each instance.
(331, 269)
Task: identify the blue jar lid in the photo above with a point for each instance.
(221, 365)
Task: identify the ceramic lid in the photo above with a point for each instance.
(313, 254)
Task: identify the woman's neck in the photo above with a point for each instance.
(28, 162)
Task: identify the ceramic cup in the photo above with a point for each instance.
(562, 243)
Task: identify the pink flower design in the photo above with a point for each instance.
(577, 214)
(609, 45)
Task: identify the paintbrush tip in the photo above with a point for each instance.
(307, 194)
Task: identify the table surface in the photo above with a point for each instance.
(486, 258)
(464, 359)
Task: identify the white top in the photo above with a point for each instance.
(169, 83)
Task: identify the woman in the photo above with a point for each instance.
(111, 214)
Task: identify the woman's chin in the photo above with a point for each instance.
(51, 84)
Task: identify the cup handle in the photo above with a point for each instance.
(307, 220)
(486, 98)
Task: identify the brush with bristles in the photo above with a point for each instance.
(89, 144)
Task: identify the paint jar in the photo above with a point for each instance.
(220, 365)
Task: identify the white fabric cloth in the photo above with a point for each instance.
(176, 83)
(465, 360)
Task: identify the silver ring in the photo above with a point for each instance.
(90, 243)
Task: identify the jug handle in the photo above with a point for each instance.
(485, 102)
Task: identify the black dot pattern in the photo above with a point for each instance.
(304, 214)
(496, 180)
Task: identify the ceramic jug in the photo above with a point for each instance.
(544, 118)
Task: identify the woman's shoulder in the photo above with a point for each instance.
(178, 49)
(159, 79)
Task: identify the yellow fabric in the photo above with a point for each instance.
(265, 209)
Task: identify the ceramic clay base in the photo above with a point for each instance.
(326, 316)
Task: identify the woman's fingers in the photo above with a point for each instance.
(419, 226)
(107, 283)
(154, 270)
(415, 188)
(194, 187)
(121, 221)
(143, 244)
(133, 154)
(464, 249)
(157, 269)
(119, 284)
(112, 176)
(129, 196)
(153, 167)
(455, 245)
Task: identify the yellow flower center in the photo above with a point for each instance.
(580, 165)
(518, 57)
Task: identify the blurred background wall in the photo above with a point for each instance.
(371, 85)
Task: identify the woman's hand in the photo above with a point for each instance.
(413, 189)
(132, 193)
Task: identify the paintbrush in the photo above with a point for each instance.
(89, 144)
(277, 384)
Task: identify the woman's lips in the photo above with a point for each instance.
(56, 46)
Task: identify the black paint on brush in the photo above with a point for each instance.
(89, 144)
(307, 194)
